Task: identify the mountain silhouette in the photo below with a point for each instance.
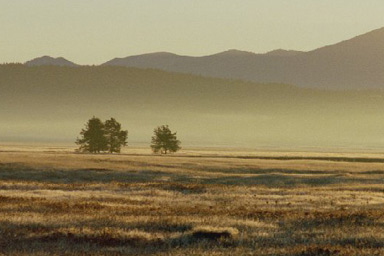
(357, 63)
(283, 53)
(49, 61)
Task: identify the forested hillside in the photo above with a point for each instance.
(51, 103)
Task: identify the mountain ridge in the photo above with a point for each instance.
(50, 61)
(356, 63)
(282, 52)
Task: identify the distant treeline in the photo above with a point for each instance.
(133, 86)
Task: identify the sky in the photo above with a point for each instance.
(95, 31)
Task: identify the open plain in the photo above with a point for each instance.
(196, 202)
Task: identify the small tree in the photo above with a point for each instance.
(116, 138)
(164, 141)
(93, 139)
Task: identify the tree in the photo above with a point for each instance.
(98, 136)
(93, 137)
(116, 138)
(164, 141)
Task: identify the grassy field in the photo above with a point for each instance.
(197, 202)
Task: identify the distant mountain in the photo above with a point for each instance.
(142, 60)
(49, 61)
(235, 53)
(355, 63)
(283, 53)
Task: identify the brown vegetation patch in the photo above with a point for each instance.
(214, 233)
(105, 237)
(320, 251)
(186, 188)
(18, 200)
(64, 206)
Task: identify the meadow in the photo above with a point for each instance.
(196, 202)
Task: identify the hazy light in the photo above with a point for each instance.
(94, 31)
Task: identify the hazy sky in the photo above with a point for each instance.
(94, 31)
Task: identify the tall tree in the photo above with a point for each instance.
(116, 138)
(93, 138)
(164, 141)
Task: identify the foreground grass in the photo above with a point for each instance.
(72, 204)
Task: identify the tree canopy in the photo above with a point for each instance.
(100, 137)
(164, 141)
(116, 138)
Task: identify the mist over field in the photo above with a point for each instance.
(218, 127)
(52, 104)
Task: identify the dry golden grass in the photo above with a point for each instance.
(55, 202)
